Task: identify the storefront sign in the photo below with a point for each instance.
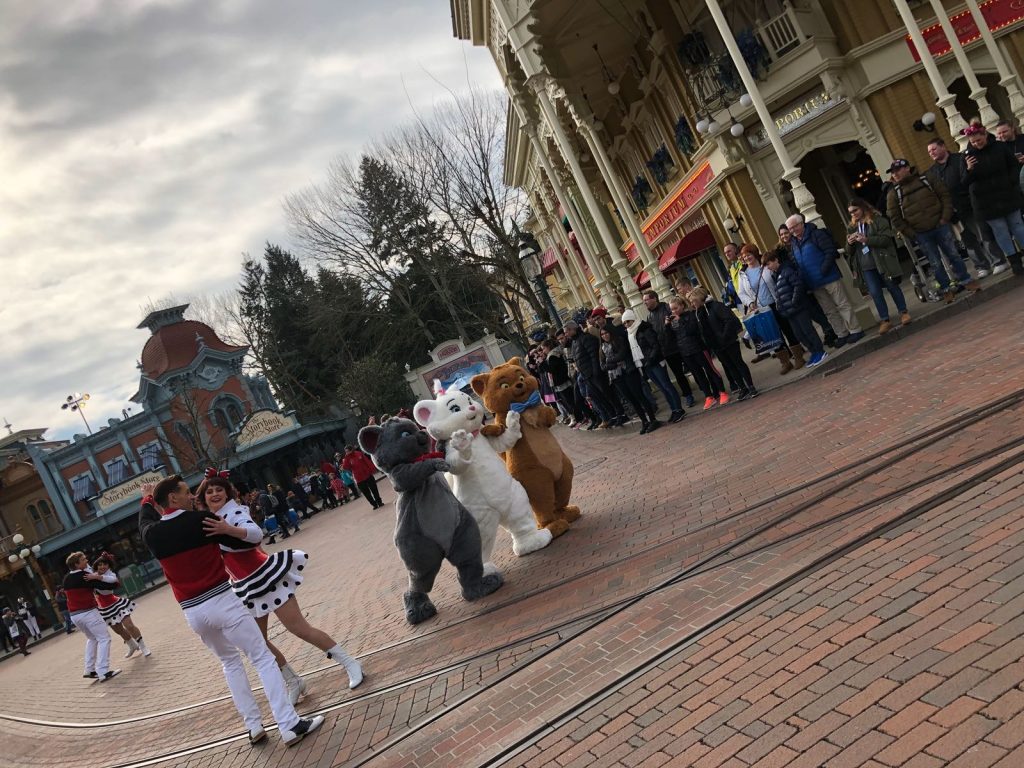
(261, 425)
(997, 13)
(461, 368)
(689, 194)
(798, 114)
(130, 489)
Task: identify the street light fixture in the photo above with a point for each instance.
(76, 402)
(528, 255)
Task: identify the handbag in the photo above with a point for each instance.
(764, 330)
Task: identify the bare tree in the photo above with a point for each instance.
(455, 156)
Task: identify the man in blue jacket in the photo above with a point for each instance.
(815, 253)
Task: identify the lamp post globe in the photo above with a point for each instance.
(736, 129)
(25, 553)
(12, 559)
(36, 549)
(17, 539)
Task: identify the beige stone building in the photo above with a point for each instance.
(649, 133)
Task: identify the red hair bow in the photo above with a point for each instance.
(211, 472)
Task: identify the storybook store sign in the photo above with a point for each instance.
(126, 491)
(262, 425)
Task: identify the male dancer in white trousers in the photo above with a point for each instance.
(79, 585)
(194, 568)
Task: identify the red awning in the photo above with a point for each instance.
(683, 250)
(643, 280)
(548, 261)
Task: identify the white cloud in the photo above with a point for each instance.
(145, 146)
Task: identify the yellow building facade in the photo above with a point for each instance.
(650, 133)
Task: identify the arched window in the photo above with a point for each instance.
(44, 519)
(227, 412)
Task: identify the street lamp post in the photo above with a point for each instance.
(30, 556)
(76, 402)
(528, 255)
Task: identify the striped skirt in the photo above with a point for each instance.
(113, 614)
(272, 584)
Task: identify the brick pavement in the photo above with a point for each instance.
(355, 584)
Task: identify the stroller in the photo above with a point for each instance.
(926, 287)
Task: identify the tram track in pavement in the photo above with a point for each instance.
(876, 461)
(591, 619)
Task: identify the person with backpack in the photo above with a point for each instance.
(272, 506)
(920, 209)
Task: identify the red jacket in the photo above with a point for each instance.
(359, 464)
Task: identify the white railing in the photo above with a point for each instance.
(781, 34)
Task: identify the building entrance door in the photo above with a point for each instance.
(836, 173)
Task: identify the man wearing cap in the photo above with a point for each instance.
(920, 210)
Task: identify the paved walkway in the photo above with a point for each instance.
(903, 650)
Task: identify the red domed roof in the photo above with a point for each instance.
(175, 346)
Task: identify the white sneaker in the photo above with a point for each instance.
(299, 731)
(132, 648)
(998, 269)
(256, 735)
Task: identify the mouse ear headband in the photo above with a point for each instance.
(973, 130)
(211, 473)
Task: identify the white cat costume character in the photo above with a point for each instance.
(478, 476)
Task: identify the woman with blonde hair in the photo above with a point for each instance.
(874, 261)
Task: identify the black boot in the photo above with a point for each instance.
(1016, 263)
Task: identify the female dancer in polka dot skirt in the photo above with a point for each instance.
(266, 583)
(116, 611)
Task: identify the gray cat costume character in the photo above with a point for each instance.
(432, 525)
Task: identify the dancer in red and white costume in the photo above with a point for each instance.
(79, 586)
(116, 611)
(194, 567)
(266, 583)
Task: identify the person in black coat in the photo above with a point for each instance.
(586, 354)
(993, 177)
(792, 302)
(691, 348)
(647, 354)
(660, 319)
(720, 328)
(617, 361)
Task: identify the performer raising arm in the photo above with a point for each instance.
(194, 568)
(266, 583)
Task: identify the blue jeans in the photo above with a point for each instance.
(1006, 230)
(941, 239)
(659, 376)
(801, 324)
(68, 625)
(876, 283)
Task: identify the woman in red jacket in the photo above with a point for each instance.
(362, 468)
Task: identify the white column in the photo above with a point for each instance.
(802, 196)
(622, 200)
(979, 96)
(945, 98)
(570, 264)
(618, 262)
(1007, 78)
(600, 283)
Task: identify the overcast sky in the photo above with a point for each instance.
(144, 146)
